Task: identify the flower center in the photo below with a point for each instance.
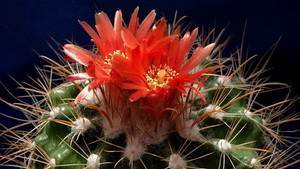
(160, 76)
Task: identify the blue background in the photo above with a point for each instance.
(27, 25)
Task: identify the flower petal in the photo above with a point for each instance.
(125, 68)
(117, 28)
(84, 92)
(100, 44)
(199, 73)
(196, 59)
(145, 26)
(97, 69)
(158, 31)
(78, 76)
(133, 23)
(94, 84)
(79, 54)
(133, 86)
(173, 52)
(105, 30)
(138, 94)
(160, 43)
(128, 38)
(185, 46)
(172, 84)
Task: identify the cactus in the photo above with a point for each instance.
(147, 96)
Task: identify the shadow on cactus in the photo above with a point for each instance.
(149, 95)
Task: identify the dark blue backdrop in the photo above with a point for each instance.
(26, 26)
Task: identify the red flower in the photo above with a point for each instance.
(162, 73)
(150, 60)
(98, 69)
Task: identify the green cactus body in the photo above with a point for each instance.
(244, 133)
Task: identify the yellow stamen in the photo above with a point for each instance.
(160, 76)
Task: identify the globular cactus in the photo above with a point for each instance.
(148, 96)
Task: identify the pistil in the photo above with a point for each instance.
(159, 77)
